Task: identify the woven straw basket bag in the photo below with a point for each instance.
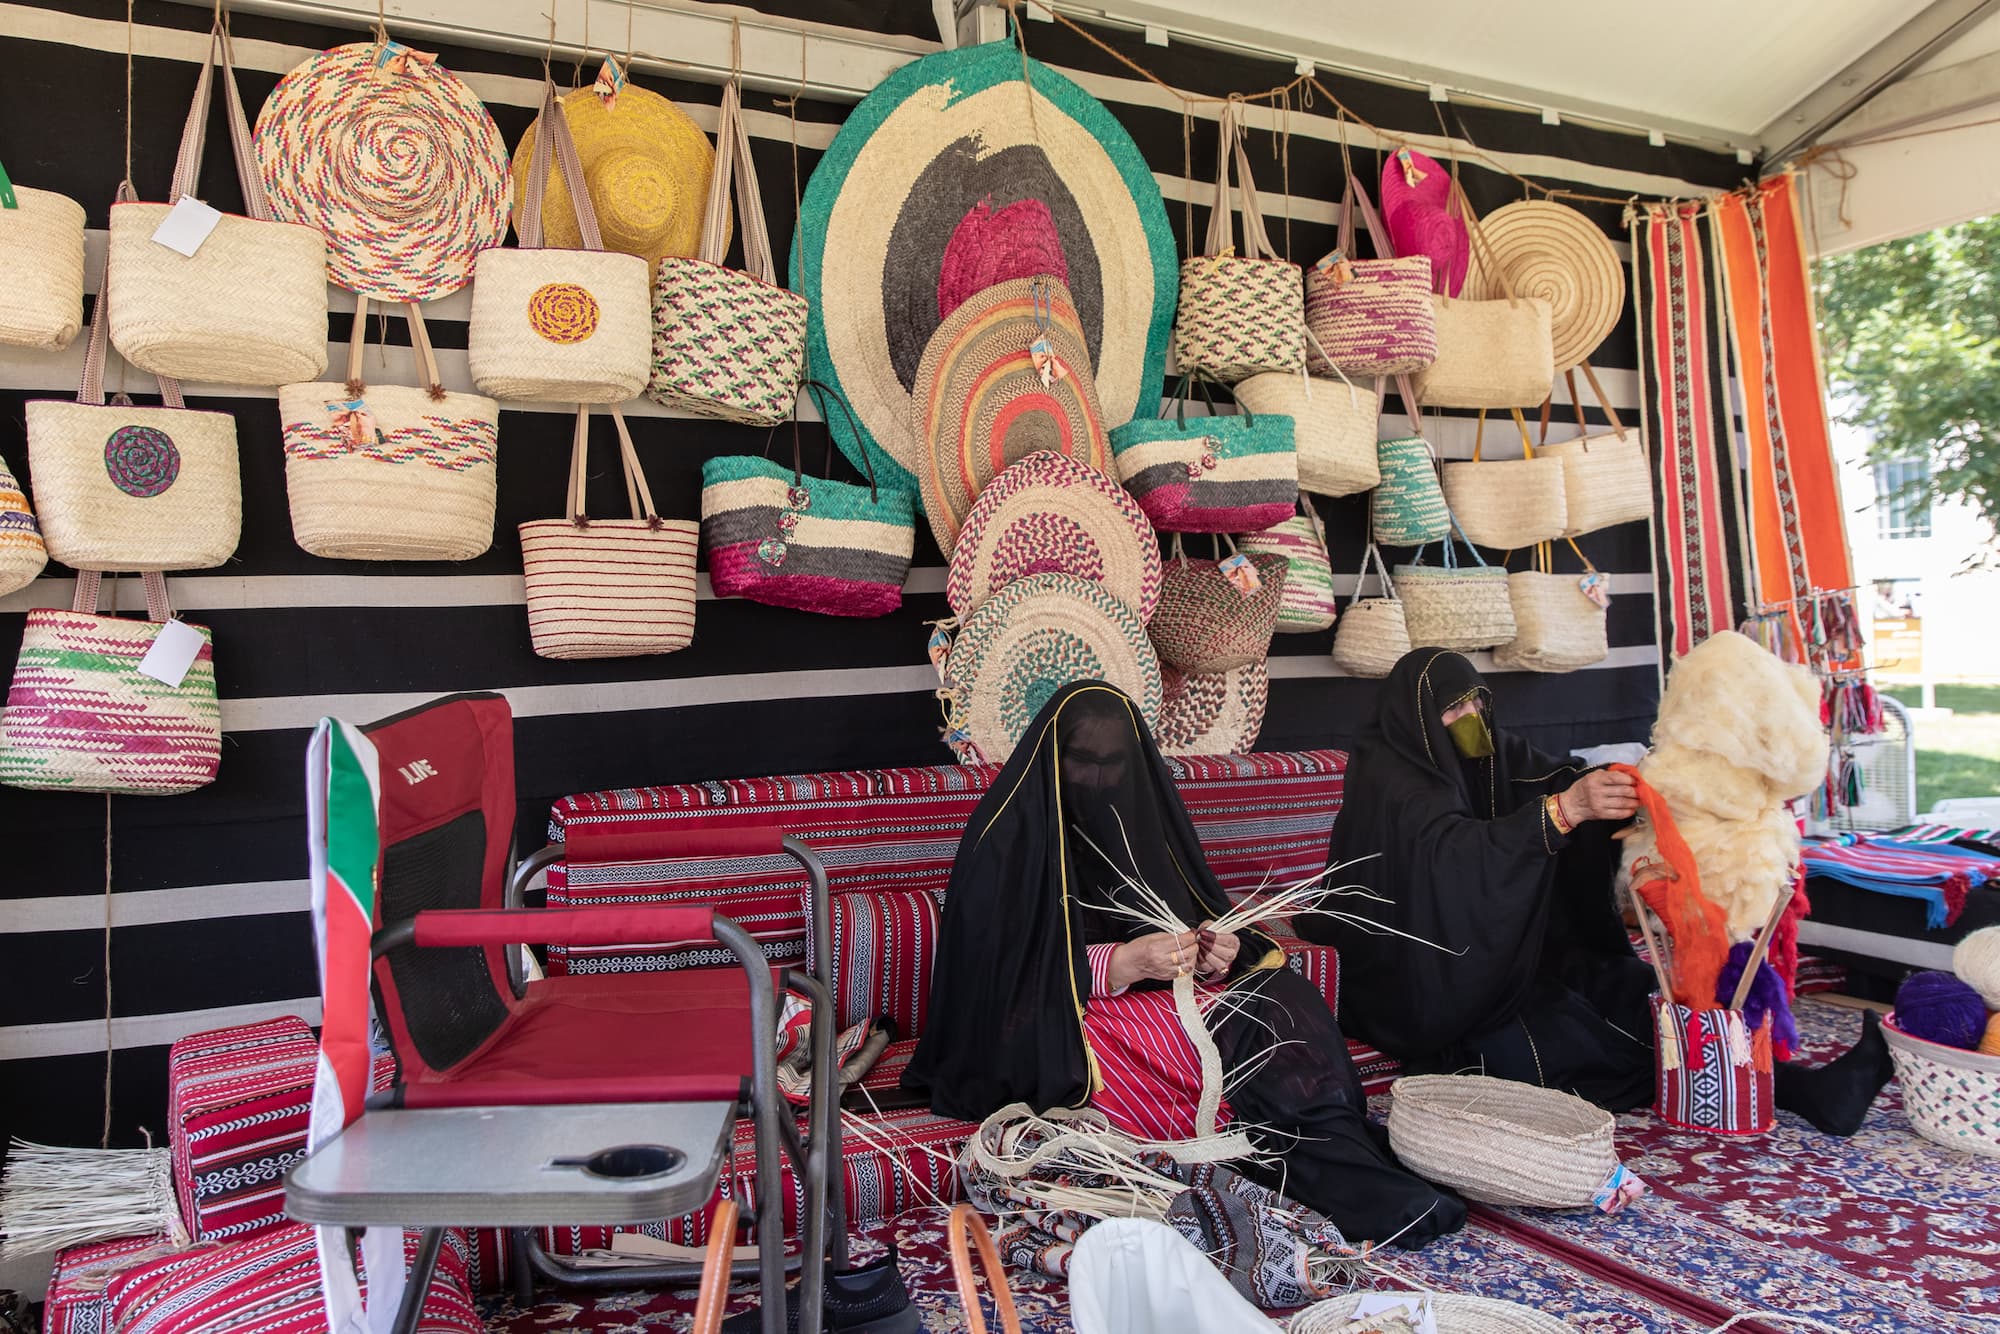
(390, 472)
(1407, 505)
(249, 306)
(1205, 623)
(728, 344)
(568, 326)
(1238, 314)
(1606, 478)
(1308, 604)
(1558, 624)
(1491, 354)
(1952, 1097)
(1232, 473)
(1333, 428)
(1373, 635)
(82, 717)
(23, 554)
(1499, 1141)
(1511, 503)
(41, 234)
(129, 488)
(1455, 606)
(1368, 316)
(609, 588)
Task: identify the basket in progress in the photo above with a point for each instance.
(1456, 1314)
(1500, 1141)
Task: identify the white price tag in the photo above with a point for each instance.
(186, 226)
(1413, 1307)
(174, 650)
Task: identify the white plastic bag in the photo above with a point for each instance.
(1135, 1276)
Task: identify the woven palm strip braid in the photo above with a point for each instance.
(1308, 603)
(420, 486)
(1036, 636)
(1501, 1141)
(41, 303)
(1050, 512)
(1204, 624)
(728, 344)
(81, 717)
(22, 552)
(1333, 428)
(1456, 1314)
(557, 324)
(1553, 252)
(404, 172)
(1951, 1096)
(1216, 713)
(978, 378)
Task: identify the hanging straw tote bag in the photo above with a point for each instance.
(1206, 621)
(22, 551)
(390, 472)
(1373, 634)
(1238, 314)
(777, 536)
(1408, 504)
(1510, 503)
(1333, 427)
(1455, 606)
(1368, 316)
(1233, 474)
(41, 234)
(565, 326)
(1606, 478)
(249, 306)
(609, 588)
(1558, 618)
(728, 344)
(82, 715)
(1491, 354)
(1299, 541)
(129, 488)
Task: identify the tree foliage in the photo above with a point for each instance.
(1911, 333)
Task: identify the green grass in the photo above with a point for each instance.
(1957, 756)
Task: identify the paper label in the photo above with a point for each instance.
(1596, 587)
(1240, 573)
(1619, 1189)
(186, 226)
(173, 652)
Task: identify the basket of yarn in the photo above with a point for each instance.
(1941, 1041)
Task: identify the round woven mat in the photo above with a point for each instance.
(1552, 251)
(929, 166)
(648, 167)
(1456, 1314)
(1034, 637)
(404, 171)
(1218, 713)
(981, 403)
(1046, 513)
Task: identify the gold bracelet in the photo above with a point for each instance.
(1563, 827)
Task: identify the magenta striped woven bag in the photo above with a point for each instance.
(82, 717)
(1369, 316)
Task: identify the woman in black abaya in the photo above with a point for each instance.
(1038, 984)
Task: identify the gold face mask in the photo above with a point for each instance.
(1471, 737)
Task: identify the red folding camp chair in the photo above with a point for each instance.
(468, 1032)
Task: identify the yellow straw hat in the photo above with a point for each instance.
(648, 167)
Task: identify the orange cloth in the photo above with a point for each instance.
(1990, 1044)
(1697, 927)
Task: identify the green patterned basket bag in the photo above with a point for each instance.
(1408, 502)
(1212, 474)
(1300, 541)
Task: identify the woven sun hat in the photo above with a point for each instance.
(1454, 1314)
(931, 185)
(1049, 512)
(648, 167)
(1554, 252)
(981, 400)
(1500, 1141)
(1212, 713)
(1031, 639)
(1416, 206)
(394, 158)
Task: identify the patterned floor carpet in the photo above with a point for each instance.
(1885, 1233)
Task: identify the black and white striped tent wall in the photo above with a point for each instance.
(205, 895)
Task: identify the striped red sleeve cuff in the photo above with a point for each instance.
(1100, 969)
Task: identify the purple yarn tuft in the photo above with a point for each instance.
(1939, 1007)
(1767, 996)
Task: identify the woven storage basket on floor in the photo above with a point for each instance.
(1239, 313)
(1204, 624)
(1456, 1314)
(400, 473)
(41, 303)
(1506, 504)
(1308, 604)
(249, 306)
(1502, 1142)
(1951, 1096)
(1373, 634)
(729, 343)
(1455, 606)
(1333, 428)
(556, 325)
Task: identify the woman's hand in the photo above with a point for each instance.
(1601, 794)
(1161, 956)
(1218, 951)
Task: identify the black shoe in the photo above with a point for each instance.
(867, 1299)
